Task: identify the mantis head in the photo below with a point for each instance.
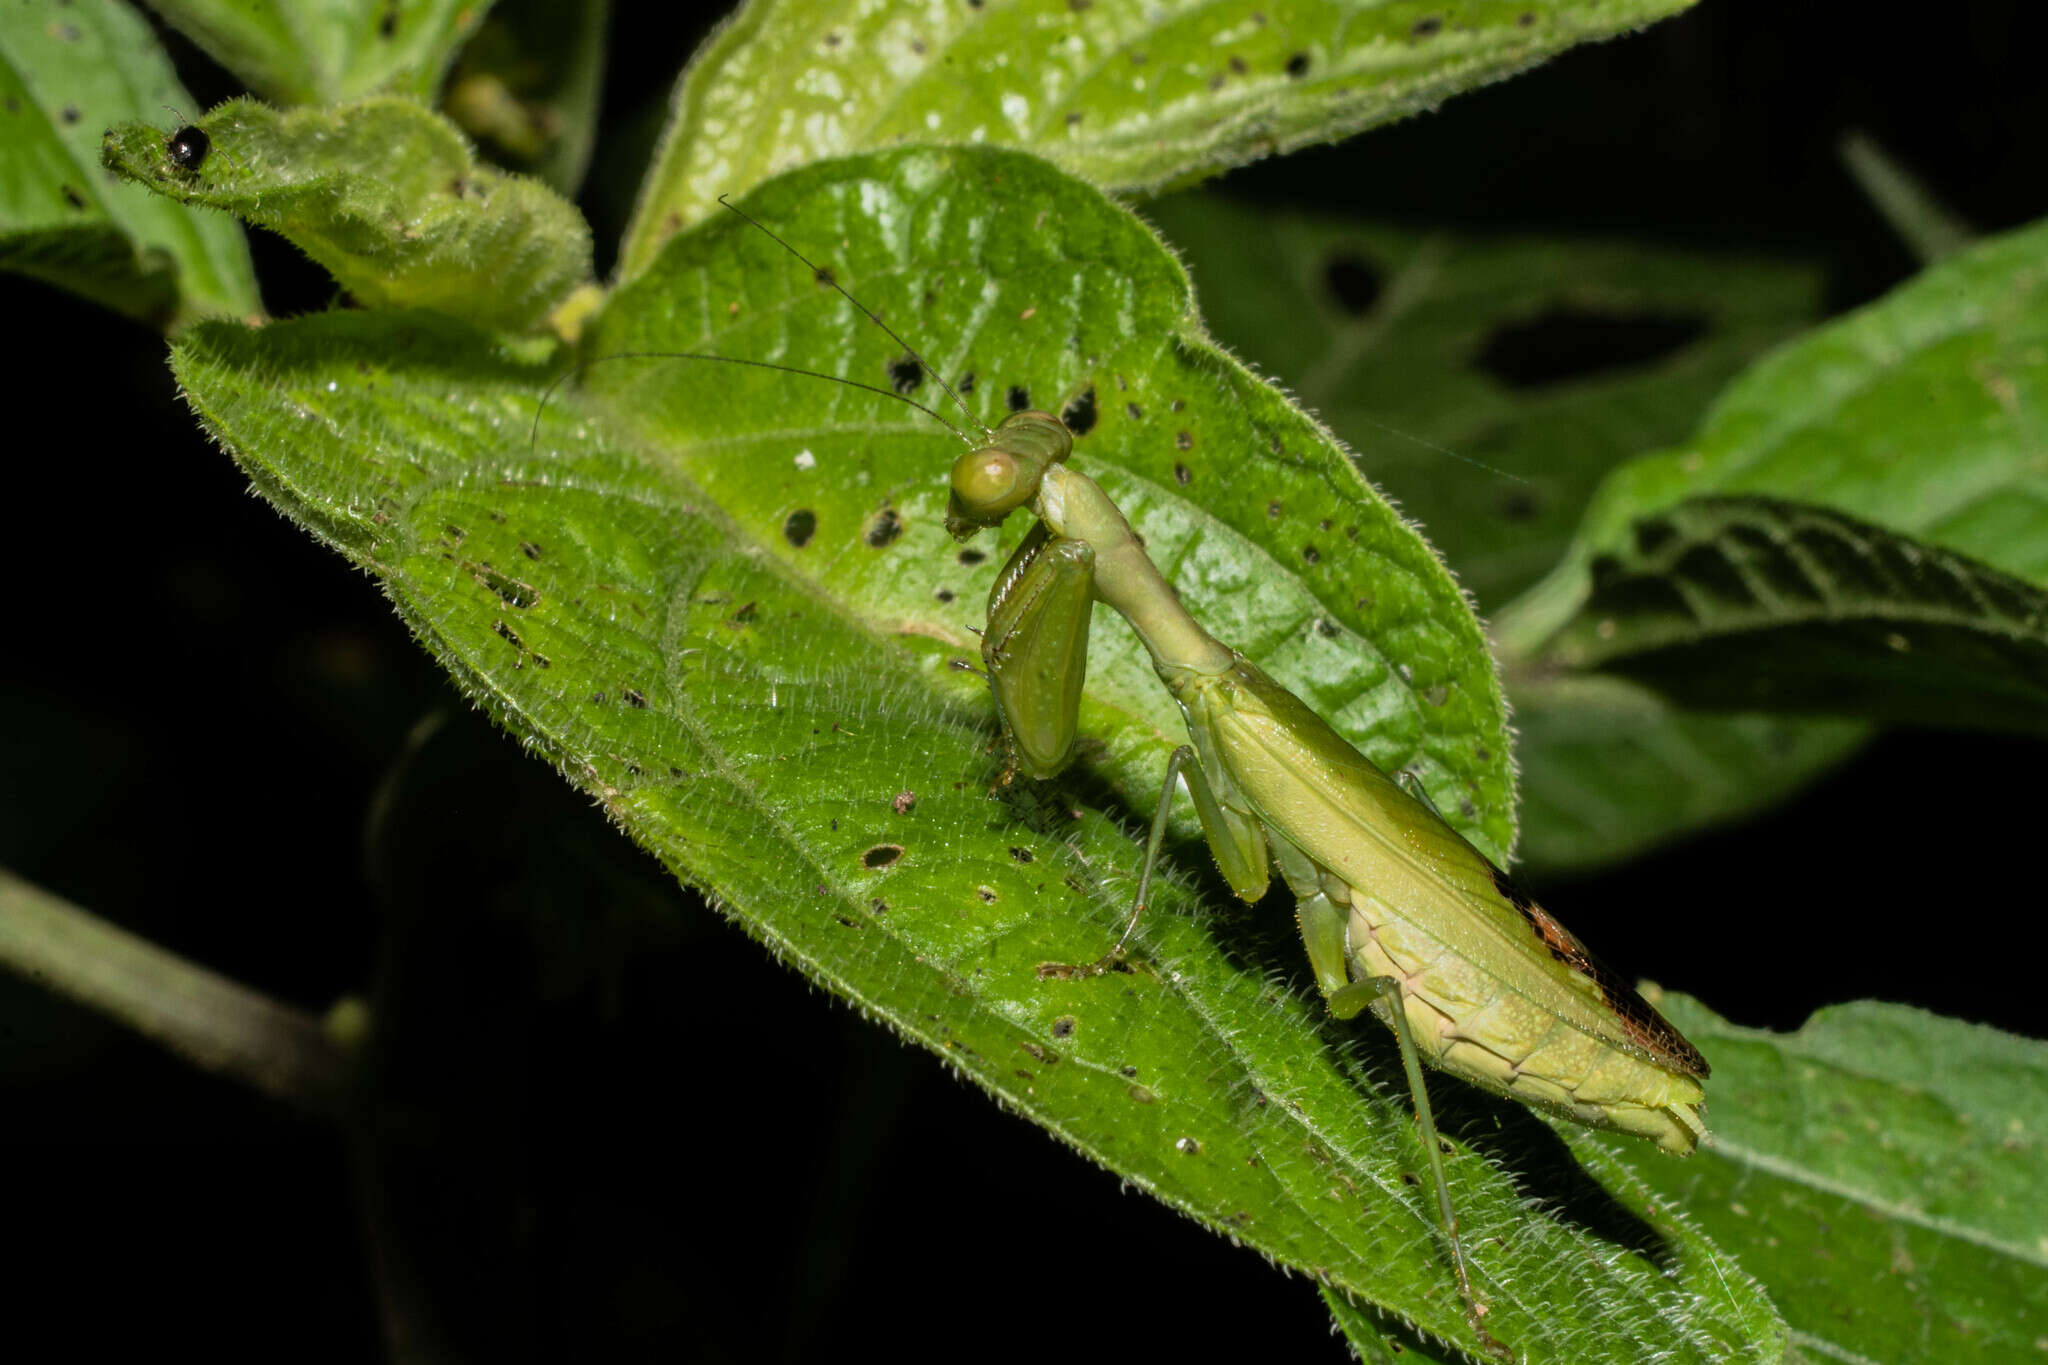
(994, 480)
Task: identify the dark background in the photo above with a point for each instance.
(618, 1129)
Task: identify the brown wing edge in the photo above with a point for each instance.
(1645, 1027)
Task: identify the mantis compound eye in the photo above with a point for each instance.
(988, 484)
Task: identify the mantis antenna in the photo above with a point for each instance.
(823, 276)
(533, 437)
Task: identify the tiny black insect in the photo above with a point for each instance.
(187, 148)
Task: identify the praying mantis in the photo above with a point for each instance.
(1399, 914)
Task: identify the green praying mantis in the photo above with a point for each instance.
(1399, 913)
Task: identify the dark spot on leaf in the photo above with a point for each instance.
(529, 549)
(1184, 439)
(1063, 1027)
(1176, 405)
(387, 23)
(1237, 66)
(1311, 555)
(883, 528)
(943, 594)
(1127, 1072)
(1187, 1146)
(881, 855)
(1575, 343)
(597, 698)
(879, 906)
(1325, 629)
(1182, 475)
(1528, 18)
(1273, 509)
(1079, 413)
(971, 556)
(69, 113)
(1436, 694)
(987, 894)
(1019, 398)
(1022, 855)
(73, 198)
(1352, 283)
(833, 39)
(799, 526)
(510, 590)
(904, 802)
(1134, 412)
(1426, 27)
(1297, 66)
(1073, 117)
(905, 375)
(966, 384)
(634, 698)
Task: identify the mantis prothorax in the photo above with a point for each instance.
(1399, 913)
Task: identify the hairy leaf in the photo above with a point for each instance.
(66, 73)
(1488, 384)
(388, 197)
(1925, 413)
(1134, 97)
(327, 51)
(762, 697)
(1768, 605)
(1883, 1172)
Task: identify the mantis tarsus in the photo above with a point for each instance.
(1399, 914)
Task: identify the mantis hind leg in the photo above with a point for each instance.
(1350, 1000)
(1179, 758)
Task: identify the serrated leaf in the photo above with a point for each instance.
(1767, 605)
(1131, 96)
(387, 197)
(1548, 361)
(66, 72)
(776, 721)
(1487, 383)
(1266, 531)
(327, 51)
(1925, 413)
(1883, 1172)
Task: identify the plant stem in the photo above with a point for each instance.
(218, 1024)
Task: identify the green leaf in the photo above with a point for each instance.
(1883, 1172)
(1925, 413)
(1611, 768)
(777, 721)
(327, 51)
(387, 197)
(1271, 538)
(1133, 97)
(1751, 602)
(526, 87)
(1548, 361)
(65, 74)
(1487, 383)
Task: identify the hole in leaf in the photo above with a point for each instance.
(1079, 413)
(1352, 283)
(1577, 343)
(881, 855)
(799, 526)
